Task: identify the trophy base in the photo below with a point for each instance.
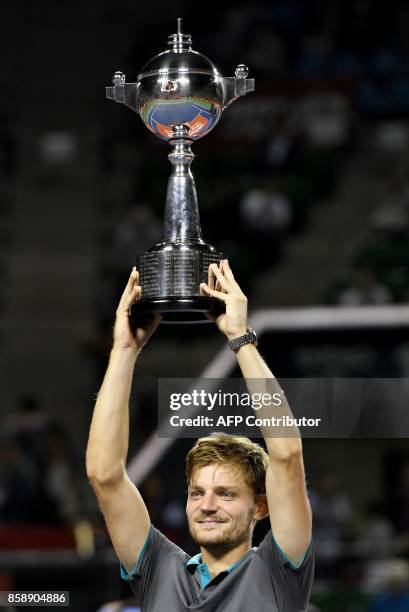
(170, 274)
(179, 310)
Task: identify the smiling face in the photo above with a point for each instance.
(221, 507)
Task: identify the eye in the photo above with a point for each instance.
(194, 494)
(227, 494)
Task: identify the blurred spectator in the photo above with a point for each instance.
(23, 494)
(326, 119)
(61, 476)
(282, 145)
(377, 536)
(333, 517)
(266, 209)
(391, 216)
(27, 425)
(58, 147)
(377, 542)
(39, 477)
(395, 595)
(266, 215)
(174, 514)
(365, 289)
(391, 136)
(345, 594)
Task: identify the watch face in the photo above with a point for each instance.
(254, 336)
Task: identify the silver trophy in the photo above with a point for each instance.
(180, 96)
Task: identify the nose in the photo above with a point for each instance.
(209, 505)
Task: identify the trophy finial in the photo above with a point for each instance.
(241, 71)
(180, 41)
(118, 78)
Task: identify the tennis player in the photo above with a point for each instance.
(232, 483)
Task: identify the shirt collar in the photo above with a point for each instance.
(193, 562)
(196, 560)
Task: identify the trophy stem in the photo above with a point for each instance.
(182, 220)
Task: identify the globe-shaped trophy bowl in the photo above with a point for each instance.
(181, 88)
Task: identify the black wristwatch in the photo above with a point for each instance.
(249, 338)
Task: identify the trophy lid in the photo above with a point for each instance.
(179, 58)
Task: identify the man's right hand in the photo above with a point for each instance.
(127, 333)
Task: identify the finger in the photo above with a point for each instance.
(133, 279)
(217, 294)
(211, 278)
(130, 299)
(229, 274)
(138, 292)
(218, 286)
(223, 282)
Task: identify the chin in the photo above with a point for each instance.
(216, 537)
(206, 542)
(204, 536)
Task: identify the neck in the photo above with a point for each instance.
(218, 559)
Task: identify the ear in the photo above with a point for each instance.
(261, 507)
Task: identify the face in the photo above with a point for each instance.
(221, 507)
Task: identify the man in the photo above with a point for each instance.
(232, 484)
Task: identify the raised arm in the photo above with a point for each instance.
(124, 510)
(289, 508)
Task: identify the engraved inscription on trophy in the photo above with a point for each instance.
(180, 96)
(149, 274)
(186, 273)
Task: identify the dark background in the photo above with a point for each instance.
(304, 184)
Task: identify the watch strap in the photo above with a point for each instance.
(249, 338)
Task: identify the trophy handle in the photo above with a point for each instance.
(125, 93)
(237, 86)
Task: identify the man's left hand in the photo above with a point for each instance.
(222, 285)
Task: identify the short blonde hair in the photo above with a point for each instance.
(238, 451)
